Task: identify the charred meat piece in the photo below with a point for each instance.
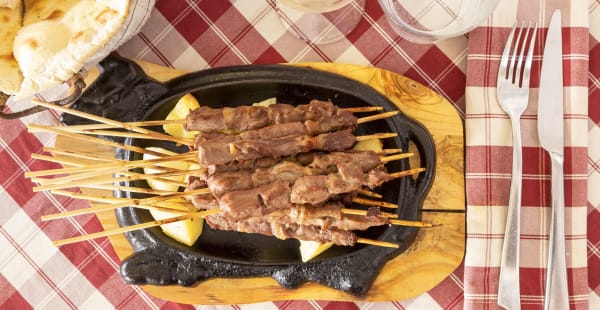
(259, 225)
(230, 148)
(243, 118)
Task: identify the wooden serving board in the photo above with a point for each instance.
(435, 253)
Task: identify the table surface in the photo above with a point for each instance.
(195, 35)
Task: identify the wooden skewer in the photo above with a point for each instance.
(58, 184)
(121, 230)
(101, 119)
(391, 151)
(400, 174)
(127, 176)
(140, 124)
(127, 134)
(376, 117)
(374, 203)
(363, 109)
(58, 131)
(145, 203)
(365, 212)
(377, 243)
(80, 155)
(384, 135)
(368, 193)
(410, 223)
(120, 165)
(131, 189)
(385, 159)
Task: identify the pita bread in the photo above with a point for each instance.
(10, 74)
(11, 4)
(78, 30)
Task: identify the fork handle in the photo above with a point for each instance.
(557, 291)
(509, 291)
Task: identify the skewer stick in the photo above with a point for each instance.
(127, 176)
(363, 109)
(165, 170)
(384, 135)
(385, 159)
(145, 203)
(377, 243)
(140, 123)
(80, 155)
(400, 174)
(374, 203)
(131, 189)
(376, 117)
(390, 151)
(125, 229)
(410, 223)
(127, 134)
(365, 212)
(368, 193)
(119, 165)
(58, 131)
(102, 119)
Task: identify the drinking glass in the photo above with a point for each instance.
(320, 21)
(427, 21)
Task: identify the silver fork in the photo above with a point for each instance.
(513, 95)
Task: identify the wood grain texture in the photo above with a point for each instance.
(436, 251)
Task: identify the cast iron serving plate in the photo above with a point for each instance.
(123, 92)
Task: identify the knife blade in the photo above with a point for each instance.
(551, 136)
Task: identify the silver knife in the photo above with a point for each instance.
(551, 134)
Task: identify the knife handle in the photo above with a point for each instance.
(557, 290)
(509, 292)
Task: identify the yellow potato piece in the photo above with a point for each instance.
(186, 232)
(374, 145)
(310, 249)
(182, 108)
(163, 185)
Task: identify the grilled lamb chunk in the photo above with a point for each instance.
(243, 118)
(221, 151)
(282, 230)
(273, 195)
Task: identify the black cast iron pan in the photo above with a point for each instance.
(125, 93)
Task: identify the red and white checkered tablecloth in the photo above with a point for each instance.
(195, 35)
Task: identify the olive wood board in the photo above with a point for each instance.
(435, 253)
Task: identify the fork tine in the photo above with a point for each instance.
(529, 59)
(515, 61)
(502, 73)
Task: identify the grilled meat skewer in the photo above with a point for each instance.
(283, 231)
(230, 148)
(243, 118)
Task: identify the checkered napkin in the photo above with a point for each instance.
(489, 159)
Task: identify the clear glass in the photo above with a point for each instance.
(320, 21)
(427, 21)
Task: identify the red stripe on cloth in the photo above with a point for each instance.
(449, 293)
(593, 246)
(190, 25)
(340, 305)
(10, 298)
(594, 82)
(269, 56)
(486, 47)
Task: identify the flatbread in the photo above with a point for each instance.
(10, 74)
(11, 4)
(78, 28)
